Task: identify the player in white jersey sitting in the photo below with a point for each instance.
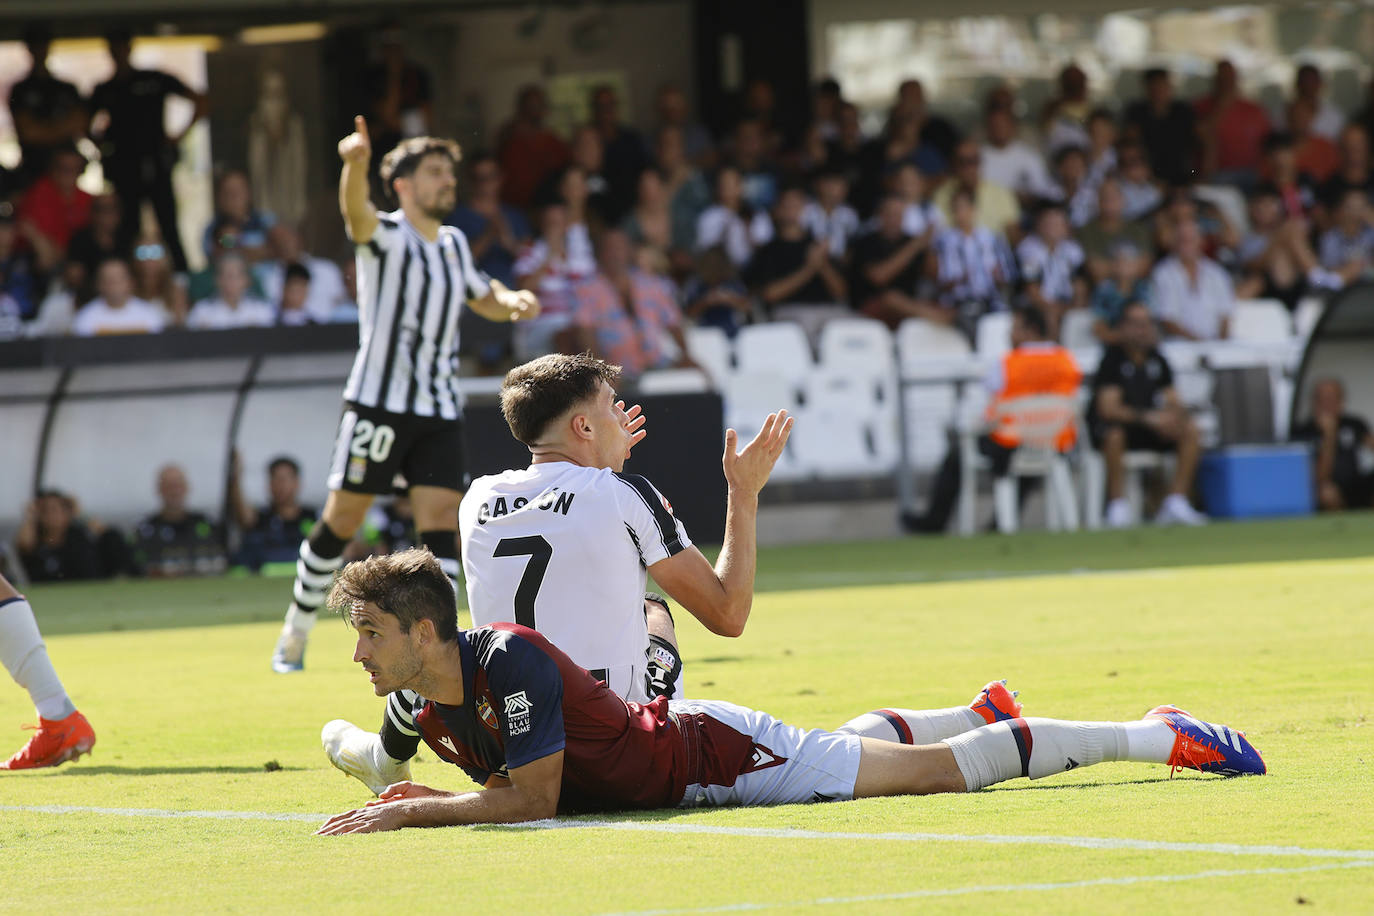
(564, 546)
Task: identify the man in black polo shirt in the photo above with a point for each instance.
(1135, 408)
(794, 268)
(1343, 449)
(888, 267)
(47, 111)
(136, 152)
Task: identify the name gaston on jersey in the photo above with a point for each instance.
(551, 500)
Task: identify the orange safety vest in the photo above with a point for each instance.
(1028, 371)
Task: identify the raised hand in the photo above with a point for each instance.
(747, 471)
(633, 420)
(519, 304)
(357, 146)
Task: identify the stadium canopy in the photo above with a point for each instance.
(1341, 346)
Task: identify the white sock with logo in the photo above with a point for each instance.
(26, 659)
(913, 726)
(1036, 747)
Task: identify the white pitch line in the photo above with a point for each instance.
(1000, 889)
(772, 833)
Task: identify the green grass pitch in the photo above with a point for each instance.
(1268, 627)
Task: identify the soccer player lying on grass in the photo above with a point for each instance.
(63, 733)
(543, 738)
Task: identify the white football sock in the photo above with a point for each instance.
(1037, 747)
(913, 726)
(26, 659)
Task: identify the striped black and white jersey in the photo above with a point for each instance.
(410, 294)
(564, 549)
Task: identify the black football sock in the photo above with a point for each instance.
(399, 737)
(444, 546)
(320, 557)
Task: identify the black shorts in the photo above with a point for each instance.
(374, 447)
(1139, 437)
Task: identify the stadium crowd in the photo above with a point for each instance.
(630, 233)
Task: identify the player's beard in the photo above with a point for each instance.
(441, 205)
(403, 674)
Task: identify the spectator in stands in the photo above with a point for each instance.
(758, 172)
(272, 534)
(496, 231)
(1308, 86)
(1109, 230)
(233, 306)
(400, 101)
(1281, 170)
(588, 157)
(1232, 129)
(99, 240)
(1343, 449)
(1101, 148)
(888, 267)
(847, 158)
(177, 541)
(529, 152)
(670, 105)
(1315, 156)
(54, 204)
(760, 106)
(551, 266)
(1164, 128)
(995, 207)
(687, 192)
(58, 309)
(1034, 366)
(919, 214)
(730, 222)
(1050, 262)
(826, 99)
(117, 310)
(1219, 237)
(1138, 186)
(1356, 171)
(1274, 256)
(810, 155)
(624, 155)
(1192, 295)
(1124, 284)
(649, 224)
(1070, 185)
(973, 265)
(793, 274)
(52, 542)
(293, 306)
(48, 113)
(237, 226)
(828, 217)
(934, 131)
(155, 282)
(902, 143)
(623, 314)
(135, 151)
(1009, 161)
(326, 283)
(22, 266)
(1065, 119)
(715, 296)
(1347, 248)
(1135, 408)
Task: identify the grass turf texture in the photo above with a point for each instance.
(1240, 623)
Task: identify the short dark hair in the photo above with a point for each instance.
(402, 161)
(286, 460)
(296, 271)
(1133, 304)
(1154, 74)
(1034, 319)
(535, 394)
(1277, 140)
(410, 585)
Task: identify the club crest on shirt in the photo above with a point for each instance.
(357, 469)
(486, 713)
(667, 505)
(518, 709)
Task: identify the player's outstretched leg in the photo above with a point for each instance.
(321, 555)
(994, 703)
(62, 733)
(377, 759)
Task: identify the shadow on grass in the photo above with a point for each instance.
(112, 770)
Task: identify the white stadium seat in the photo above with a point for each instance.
(1305, 319)
(860, 344)
(930, 412)
(673, 381)
(752, 396)
(779, 346)
(1261, 321)
(993, 337)
(710, 349)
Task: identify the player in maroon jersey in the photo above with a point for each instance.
(543, 737)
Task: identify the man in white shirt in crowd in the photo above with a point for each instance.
(327, 290)
(117, 310)
(233, 306)
(1192, 296)
(1012, 162)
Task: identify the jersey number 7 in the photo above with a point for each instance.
(539, 551)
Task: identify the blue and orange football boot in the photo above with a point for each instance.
(995, 703)
(1207, 747)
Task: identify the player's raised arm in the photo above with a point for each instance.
(722, 597)
(355, 199)
(532, 795)
(504, 304)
